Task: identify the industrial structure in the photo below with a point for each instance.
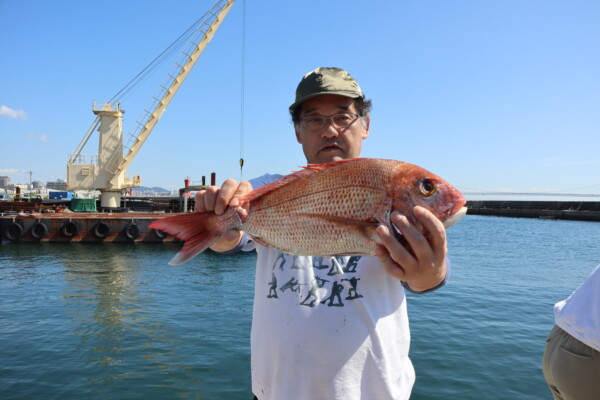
(106, 172)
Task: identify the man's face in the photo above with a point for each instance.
(331, 143)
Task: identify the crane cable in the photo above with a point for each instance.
(242, 90)
(159, 60)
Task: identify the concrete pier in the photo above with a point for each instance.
(569, 210)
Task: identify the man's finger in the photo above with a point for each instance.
(417, 241)
(397, 252)
(225, 194)
(434, 227)
(243, 189)
(205, 199)
(392, 268)
(199, 201)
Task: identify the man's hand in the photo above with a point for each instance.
(215, 199)
(423, 268)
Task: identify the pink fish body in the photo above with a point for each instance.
(324, 210)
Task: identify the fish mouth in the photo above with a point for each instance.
(455, 217)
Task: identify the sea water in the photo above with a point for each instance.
(108, 321)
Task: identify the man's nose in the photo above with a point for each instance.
(329, 130)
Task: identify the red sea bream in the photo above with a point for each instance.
(323, 210)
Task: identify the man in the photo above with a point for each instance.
(337, 327)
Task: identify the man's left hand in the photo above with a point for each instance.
(423, 268)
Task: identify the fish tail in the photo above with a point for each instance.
(197, 230)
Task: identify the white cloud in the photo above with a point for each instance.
(8, 112)
(10, 170)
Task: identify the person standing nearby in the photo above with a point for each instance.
(571, 362)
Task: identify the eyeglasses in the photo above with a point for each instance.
(341, 120)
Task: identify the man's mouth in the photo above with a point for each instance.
(330, 147)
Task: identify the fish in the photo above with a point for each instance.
(324, 210)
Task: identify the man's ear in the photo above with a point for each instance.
(367, 123)
(298, 135)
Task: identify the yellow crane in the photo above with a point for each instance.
(106, 171)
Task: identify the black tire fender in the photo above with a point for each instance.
(38, 230)
(13, 232)
(160, 234)
(101, 230)
(132, 231)
(69, 229)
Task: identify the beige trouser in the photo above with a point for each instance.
(571, 368)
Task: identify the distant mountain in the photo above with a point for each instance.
(150, 189)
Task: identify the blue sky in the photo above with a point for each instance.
(490, 95)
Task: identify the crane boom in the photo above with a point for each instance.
(108, 175)
(173, 82)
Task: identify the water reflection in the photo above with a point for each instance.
(116, 321)
(116, 317)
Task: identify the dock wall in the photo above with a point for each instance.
(569, 210)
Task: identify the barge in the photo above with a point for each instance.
(22, 221)
(78, 220)
(82, 227)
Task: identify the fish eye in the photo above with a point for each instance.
(427, 187)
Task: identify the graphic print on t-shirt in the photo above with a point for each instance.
(331, 282)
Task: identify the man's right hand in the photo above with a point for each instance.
(215, 199)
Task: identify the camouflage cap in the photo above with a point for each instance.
(326, 80)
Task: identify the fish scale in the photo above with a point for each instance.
(323, 210)
(310, 218)
(320, 201)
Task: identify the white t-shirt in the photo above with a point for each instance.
(579, 314)
(328, 328)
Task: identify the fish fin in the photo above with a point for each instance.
(193, 246)
(294, 176)
(197, 230)
(341, 220)
(183, 226)
(257, 239)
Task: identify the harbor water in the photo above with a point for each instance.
(114, 321)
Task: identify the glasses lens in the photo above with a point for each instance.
(344, 119)
(313, 121)
(341, 120)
